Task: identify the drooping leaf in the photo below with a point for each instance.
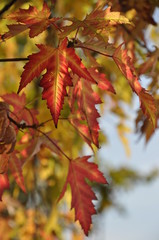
(144, 127)
(103, 82)
(57, 78)
(125, 65)
(82, 129)
(82, 195)
(150, 63)
(86, 101)
(14, 30)
(15, 166)
(7, 132)
(4, 184)
(148, 106)
(33, 145)
(4, 158)
(3, 120)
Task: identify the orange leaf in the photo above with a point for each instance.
(148, 106)
(86, 100)
(82, 129)
(103, 82)
(124, 62)
(4, 184)
(57, 78)
(20, 111)
(4, 158)
(15, 165)
(82, 195)
(33, 19)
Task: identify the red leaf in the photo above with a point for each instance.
(14, 30)
(18, 102)
(125, 65)
(4, 158)
(31, 15)
(82, 129)
(20, 111)
(33, 19)
(4, 184)
(57, 78)
(82, 195)
(15, 165)
(95, 23)
(148, 106)
(103, 82)
(86, 100)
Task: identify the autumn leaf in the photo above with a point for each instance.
(83, 129)
(7, 132)
(150, 64)
(54, 82)
(15, 166)
(86, 101)
(20, 112)
(31, 18)
(144, 127)
(115, 17)
(4, 184)
(18, 102)
(95, 23)
(32, 145)
(103, 82)
(4, 159)
(82, 195)
(125, 65)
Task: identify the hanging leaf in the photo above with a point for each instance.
(4, 184)
(82, 195)
(86, 101)
(103, 82)
(15, 165)
(125, 65)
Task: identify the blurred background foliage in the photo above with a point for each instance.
(36, 215)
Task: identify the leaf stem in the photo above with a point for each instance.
(60, 150)
(89, 48)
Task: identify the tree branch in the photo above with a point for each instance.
(36, 127)
(93, 50)
(7, 6)
(13, 59)
(24, 125)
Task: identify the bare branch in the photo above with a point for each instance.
(6, 7)
(13, 59)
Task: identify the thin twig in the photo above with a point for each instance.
(23, 125)
(6, 7)
(36, 127)
(90, 49)
(13, 59)
(60, 150)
